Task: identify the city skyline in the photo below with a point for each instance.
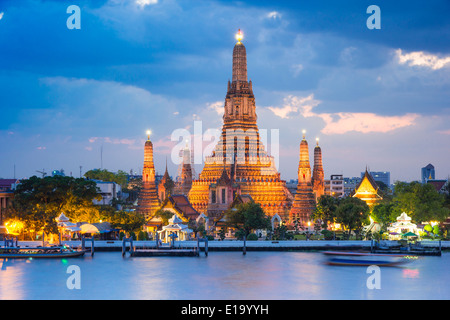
(375, 98)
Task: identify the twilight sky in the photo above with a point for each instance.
(379, 98)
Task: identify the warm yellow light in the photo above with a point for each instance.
(14, 227)
(239, 36)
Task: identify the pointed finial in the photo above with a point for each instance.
(239, 36)
(148, 134)
(317, 141)
(304, 133)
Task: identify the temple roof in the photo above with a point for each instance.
(437, 184)
(367, 189)
(181, 204)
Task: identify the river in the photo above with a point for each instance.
(221, 275)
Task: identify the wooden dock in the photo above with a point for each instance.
(412, 249)
(161, 252)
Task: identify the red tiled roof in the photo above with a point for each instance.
(437, 184)
(182, 204)
(7, 182)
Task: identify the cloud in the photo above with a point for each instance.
(296, 69)
(1, 15)
(274, 15)
(143, 3)
(365, 122)
(444, 132)
(41, 148)
(125, 141)
(216, 106)
(342, 122)
(422, 59)
(294, 105)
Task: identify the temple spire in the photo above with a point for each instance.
(239, 60)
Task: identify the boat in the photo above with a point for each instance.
(367, 259)
(39, 252)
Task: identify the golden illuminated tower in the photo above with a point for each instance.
(318, 175)
(240, 152)
(148, 202)
(304, 200)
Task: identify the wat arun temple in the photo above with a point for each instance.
(239, 167)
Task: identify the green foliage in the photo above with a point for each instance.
(222, 234)
(436, 230)
(325, 211)
(328, 235)
(279, 233)
(428, 228)
(252, 237)
(142, 235)
(353, 214)
(384, 214)
(39, 201)
(104, 175)
(248, 217)
(239, 234)
(165, 215)
(197, 228)
(420, 201)
(126, 221)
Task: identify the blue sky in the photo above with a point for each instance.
(374, 97)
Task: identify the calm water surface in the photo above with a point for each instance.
(221, 275)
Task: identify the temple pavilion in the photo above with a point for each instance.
(368, 190)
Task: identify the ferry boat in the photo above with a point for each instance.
(39, 252)
(367, 259)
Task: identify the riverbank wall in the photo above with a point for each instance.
(236, 245)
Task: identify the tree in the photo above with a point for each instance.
(353, 214)
(39, 201)
(197, 227)
(120, 177)
(165, 215)
(384, 214)
(326, 210)
(247, 217)
(420, 201)
(129, 222)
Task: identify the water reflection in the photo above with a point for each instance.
(221, 275)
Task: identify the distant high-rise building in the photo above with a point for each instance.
(383, 176)
(428, 173)
(335, 186)
(350, 184)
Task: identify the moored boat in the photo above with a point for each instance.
(39, 252)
